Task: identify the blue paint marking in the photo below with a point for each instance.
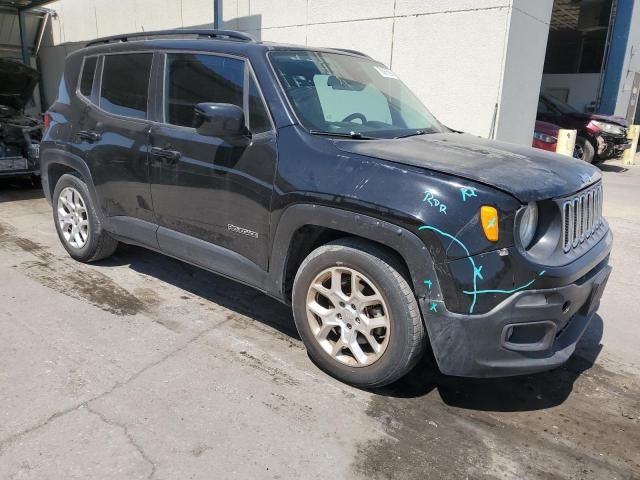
(513, 290)
(433, 307)
(466, 250)
(428, 283)
(491, 223)
(477, 272)
(434, 202)
(468, 192)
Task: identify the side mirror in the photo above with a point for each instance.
(219, 120)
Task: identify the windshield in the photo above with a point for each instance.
(560, 105)
(344, 94)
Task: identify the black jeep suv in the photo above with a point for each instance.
(317, 177)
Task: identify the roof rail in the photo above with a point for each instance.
(200, 33)
(355, 52)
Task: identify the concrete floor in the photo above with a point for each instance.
(143, 367)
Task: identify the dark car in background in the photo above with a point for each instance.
(20, 134)
(600, 137)
(317, 177)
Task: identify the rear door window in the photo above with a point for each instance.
(195, 78)
(125, 84)
(88, 71)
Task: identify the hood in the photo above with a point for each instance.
(610, 118)
(600, 117)
(526, 173)
(17, 82)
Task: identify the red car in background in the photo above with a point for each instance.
(545, 136)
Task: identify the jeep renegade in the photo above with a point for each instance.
(317, 177)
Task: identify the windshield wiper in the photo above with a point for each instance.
(415, 133)
(354, 135)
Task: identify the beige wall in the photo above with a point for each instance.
(468, 60)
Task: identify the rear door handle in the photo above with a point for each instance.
(89, 135)
(170, 156)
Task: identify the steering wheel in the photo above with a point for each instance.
(353, 116)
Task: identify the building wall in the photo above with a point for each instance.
(631, 63)
(526, 45)
(476, 64)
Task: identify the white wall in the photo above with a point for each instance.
(583, 87)
(526, 44)
(631, 64)
(462, 57)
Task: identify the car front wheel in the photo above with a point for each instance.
(584, 150)
(357, 314)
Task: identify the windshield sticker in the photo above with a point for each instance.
(385, 72)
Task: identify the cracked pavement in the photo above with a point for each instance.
(143, 367)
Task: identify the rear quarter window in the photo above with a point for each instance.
(125, 84)
(86, 78)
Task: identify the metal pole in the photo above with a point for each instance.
(23, 37)
(43, 27)
(217, 14)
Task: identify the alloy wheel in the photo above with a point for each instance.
(73, 217)
(348, 316)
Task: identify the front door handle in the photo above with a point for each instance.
(89, 135)
(169, 156)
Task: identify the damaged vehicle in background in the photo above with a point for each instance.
(600, 137)
(20, 134)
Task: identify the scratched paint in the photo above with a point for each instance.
(434, 202)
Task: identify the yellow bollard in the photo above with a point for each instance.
(566, 142)
(630, 154)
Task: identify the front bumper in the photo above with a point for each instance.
(19, 166)
(612, 145)
(530, 331)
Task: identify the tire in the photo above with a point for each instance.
(584, 150)
(400, 344)
(95, 244)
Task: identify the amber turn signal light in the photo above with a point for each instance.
(489, 220)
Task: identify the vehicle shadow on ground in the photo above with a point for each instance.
(229, 294)
(521, 393)
(17, 189)
(511, 394)
(607, 167)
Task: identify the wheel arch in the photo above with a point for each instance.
(304, 227)
(55, 163)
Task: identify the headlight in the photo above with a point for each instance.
(528, 224)
(609, 127)
(543, 137)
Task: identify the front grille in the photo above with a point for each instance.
(581, 217)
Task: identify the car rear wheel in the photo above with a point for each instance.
(584, 150)
(77, 223)
(357, 314)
